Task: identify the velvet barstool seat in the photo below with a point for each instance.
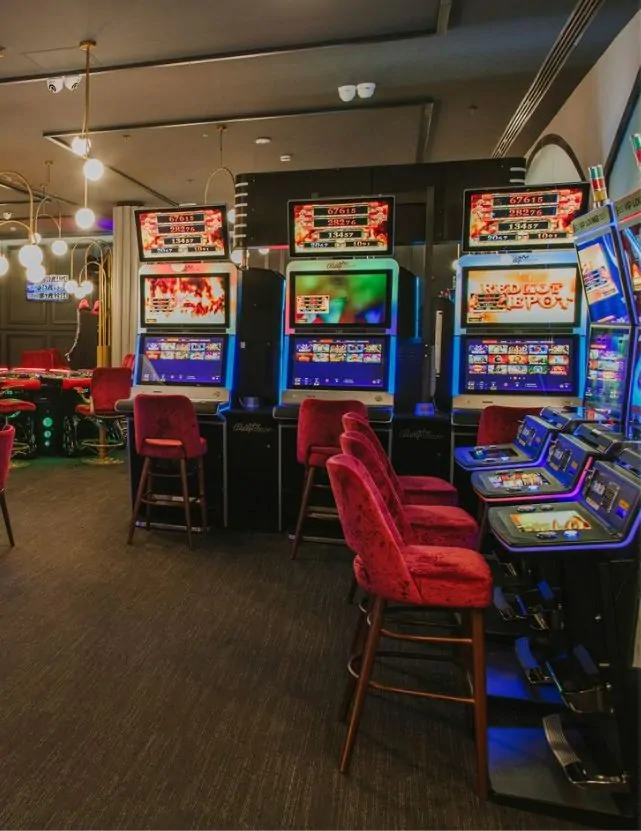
(448, 579)
(317, 440)
(166, 428)
(13, 407)
(108, 386)
(7, 435)
(415, 490)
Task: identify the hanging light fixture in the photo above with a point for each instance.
(58, 246)
(30, 254)
(225, 171)
(4, 264)
(36, 273)
(93, 169)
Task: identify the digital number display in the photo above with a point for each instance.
(337, 227)
(50, 290)
(522, 219)
(183, 234)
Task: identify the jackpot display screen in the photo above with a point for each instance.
(607, 371)
(190, 300)
(337, 227)
(522, 218)
(603, 280)
(519, 365)
(339, 299)
(183, 234)
(631, 251)
(182, 360)
(550, 521)
(338, 363)
(515, 296)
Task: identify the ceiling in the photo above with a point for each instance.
(472, 60)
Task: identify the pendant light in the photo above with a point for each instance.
(93, 169)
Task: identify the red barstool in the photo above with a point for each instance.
(7, 435)
(108, 386)
(12, 407)
(444, 578)
(166, 428)
(318, 439)
(415, 490)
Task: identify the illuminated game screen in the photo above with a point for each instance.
(182, 234)
(550, 521)
(508, 296)
(517, 480)
(361, 298)
(631, 250)
(336, 227)
(519, 365)
(523, 218)
(603, 280)
(190, 300)
(607, 370)
(51, 289)
(338, 363)
(182, 360)
(635, 392)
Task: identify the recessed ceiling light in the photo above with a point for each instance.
(286, 157)
(205, 135)
(263, 140)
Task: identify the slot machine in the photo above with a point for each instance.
(610, 347)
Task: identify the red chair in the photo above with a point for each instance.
(414, 490)
(57, 360)
(318, 439)
(166, 428)
(129, 361)
(447, 578)
(7, 435)
(500, 425)
(14, 407)
(41, 359)
(108, 385)
(417, 524)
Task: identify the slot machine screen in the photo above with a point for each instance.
(198, 233)
(198, 300)
(181, 360)
(635, 393)
(546, 366)
(338, 363)
(603, 279)
(339, 227)
(516, 219)
(631, 251)
(339, 299)
(540, 296)
(517, 480)
(607, 371)
(550, 521)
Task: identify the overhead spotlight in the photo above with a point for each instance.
(81, 146)
(72, 82)
(85, 218)
(263, 251)
(59, 247)
(366, 89)
(55, 85)
(347, 93)
(263, 140)
(93, 170)
(6, 215)
(286, 157)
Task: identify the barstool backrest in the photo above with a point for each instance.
(108, 385)
(169, 417)
(320, 423)
(499, 425)
(7, 435)
(354, 422)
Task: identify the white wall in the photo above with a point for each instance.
(589, 119)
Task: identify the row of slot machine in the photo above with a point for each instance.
(329, 329)
(552, 318)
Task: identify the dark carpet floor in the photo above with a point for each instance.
(153, 687)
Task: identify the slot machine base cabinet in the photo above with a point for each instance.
(168, 518)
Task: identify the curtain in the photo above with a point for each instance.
(124, 285)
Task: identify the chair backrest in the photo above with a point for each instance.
(7, 435)
(320, 423)
(166, 417)
(129, 360)
(369, 529)
(36, 359)
(57, 360)
(500, 425)
(359, 447)
(354, 422)
(108, 385)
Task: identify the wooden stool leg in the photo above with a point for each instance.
(352, 591)
(302, 513)
(358, 643)
(185, 489)
(149, 489)
(362, 685)
(138, 501)
(480, 701)
(5, 516)
(202, 496)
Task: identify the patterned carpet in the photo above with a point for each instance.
(153, 687)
